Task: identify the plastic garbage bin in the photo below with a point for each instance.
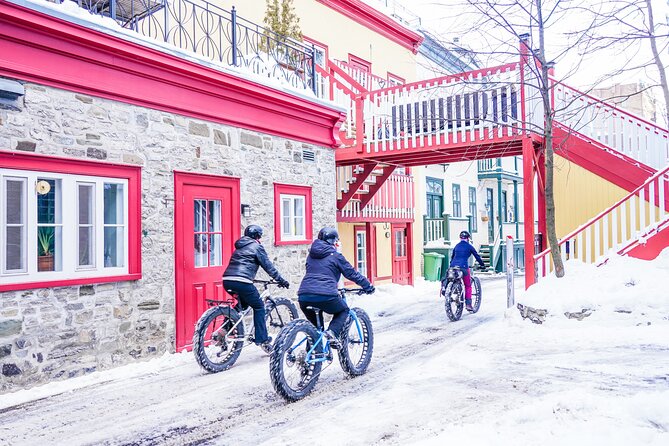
(432, 266)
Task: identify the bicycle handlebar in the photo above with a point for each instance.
(357, 291)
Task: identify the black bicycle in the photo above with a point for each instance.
(297, 358)
(453, 292)
(220, 333)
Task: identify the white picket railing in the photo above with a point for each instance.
(613, 127)
(469, 107)
(329, 86)
(366, 79)
(641, 210)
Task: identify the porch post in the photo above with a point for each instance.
(410, 251)
(370, 251)
(528, 210)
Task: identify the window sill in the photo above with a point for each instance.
(69, 282)
(292, 242)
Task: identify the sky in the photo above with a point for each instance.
(491, 378)
(456, 19)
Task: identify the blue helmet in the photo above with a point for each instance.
(465, 234)
(253, 231)
(328, 235)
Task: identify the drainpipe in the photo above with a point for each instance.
(500, 217)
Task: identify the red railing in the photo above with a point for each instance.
(393, 201)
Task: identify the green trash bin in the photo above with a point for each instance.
(432, 266)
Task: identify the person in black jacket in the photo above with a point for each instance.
(319, 286)
(238, 278)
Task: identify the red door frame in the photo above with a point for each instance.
(182, 179)
(408, 227)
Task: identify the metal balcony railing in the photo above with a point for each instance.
(215, 34)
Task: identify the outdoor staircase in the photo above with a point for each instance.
(492, 113)
(485, 251)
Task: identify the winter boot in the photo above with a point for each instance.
(266, 346)
(335, 343)
(468, 305)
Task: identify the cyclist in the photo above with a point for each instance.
(238, 278)
(460, 257)
(319, 286)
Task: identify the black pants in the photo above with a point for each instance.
(332, 305)
(250, 297)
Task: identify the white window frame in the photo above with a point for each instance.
(361, 252)
(287, 233)
(69, 266)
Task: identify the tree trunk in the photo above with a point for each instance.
(545, 90)
(657, 60)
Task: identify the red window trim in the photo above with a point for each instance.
(321, 45)
(131, 173)
(391, 76)
(291, 189)
(356, 229)
(353, 59)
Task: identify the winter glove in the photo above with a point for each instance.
(482, 265)
(369, 290)
(283, 283)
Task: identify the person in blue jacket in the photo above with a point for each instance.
(319, 286)
(238, 277)
(460, 257)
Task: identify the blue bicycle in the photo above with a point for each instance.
(300, 350)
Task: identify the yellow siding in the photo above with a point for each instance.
(341, 34)
(384, 253)
(347, 239)
(580, 195)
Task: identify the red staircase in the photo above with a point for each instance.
(493, 113)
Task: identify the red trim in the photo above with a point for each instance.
(69, 282)
(359, 63)
(371, 251)
(376, 21)
(133, 174)
(292, 189)
(528, 210)
(362, 219)
(655, 243)
(356, 229)
(321, 45)
(384, 278)
(39, 48)
(395, 78)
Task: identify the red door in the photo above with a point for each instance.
(401, 271)
(207, 223)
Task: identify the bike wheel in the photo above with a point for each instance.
(357, 344)
(216, 344)
(291, 368)
(477, 294)
(278, 313)
(452, 293)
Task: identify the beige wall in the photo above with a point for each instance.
(580, 195)
(341, 34)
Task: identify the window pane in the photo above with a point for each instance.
(47, 236)
(113, 251)
(285, 217)
(85, 204)
(299, 227)
(200, 215)
(86, 246)
(14, 258)
(214, 216)
(299, 207)
(200, 251)
(46, 203)
(216, 250)
(113, 202)
(15, 194)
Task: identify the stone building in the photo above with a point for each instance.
(127, 171)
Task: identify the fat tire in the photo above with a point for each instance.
(477, 294)
(229, 316)
(284, 341)
(348, 365)
(273, 321)
(453, 287)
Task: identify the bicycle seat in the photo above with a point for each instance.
(232, 293)
(312, 308)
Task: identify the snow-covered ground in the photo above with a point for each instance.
(489, 379)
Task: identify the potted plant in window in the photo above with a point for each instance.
(45, 250)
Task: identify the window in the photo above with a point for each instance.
(207, 233)
(292, 214)
(504, 210)
(359, 63)
(394, 80)
(457, 204)
(321, 60)
(361, 251)
(435, 200)
(67, 222)
(472, 208)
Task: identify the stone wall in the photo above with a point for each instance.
(48, 334)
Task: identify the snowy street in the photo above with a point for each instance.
(490, 378)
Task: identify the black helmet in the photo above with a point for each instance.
(328, 235)
(465, 234)
(253, 231)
